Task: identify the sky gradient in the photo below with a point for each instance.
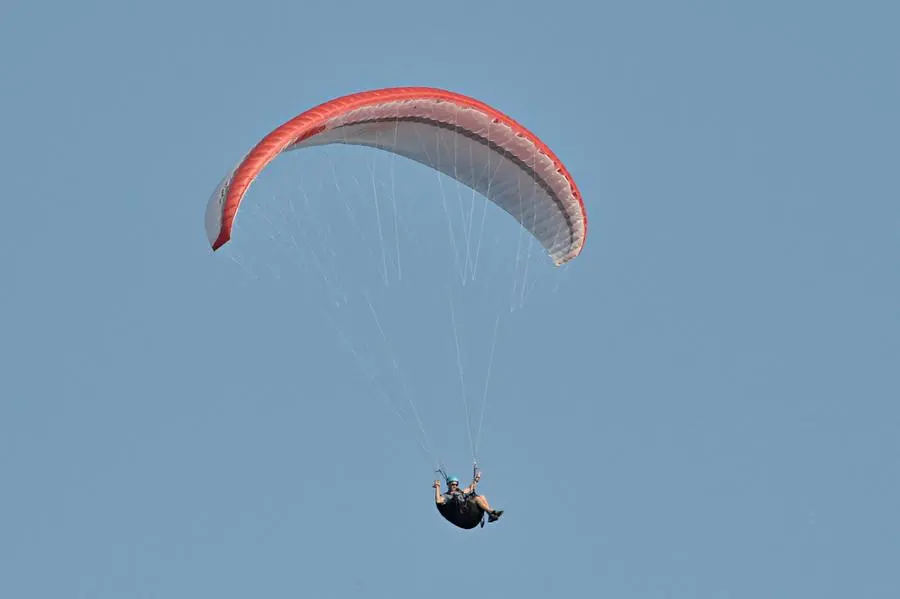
(703, 404)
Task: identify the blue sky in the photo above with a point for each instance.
(704, 404)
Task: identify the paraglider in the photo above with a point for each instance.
(457, 136)
(464, 508)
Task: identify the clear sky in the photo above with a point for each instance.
(703, 405)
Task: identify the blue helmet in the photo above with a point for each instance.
(452, 479)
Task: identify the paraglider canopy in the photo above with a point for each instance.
(459, 136)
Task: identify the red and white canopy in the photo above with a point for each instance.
(459, 136)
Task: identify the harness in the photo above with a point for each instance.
(460, 499)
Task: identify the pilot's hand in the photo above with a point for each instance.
(437, 484)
